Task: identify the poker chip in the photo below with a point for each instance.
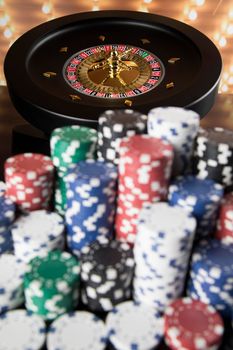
(51, 284)
(201, 198)
(224, 230)
(6, 243)
(179, 127)
(91, 202)
(11, 282)
(80, 330)
(7, 215)
(36, 233)
(113, 126)
(132, 325)
(144, 173)
(211, 275)
(192, 324)
(213, 155)
(22, 331)
(69, 145)
(7, 212)
(162, 251)
(2, 188)
(106, 271)
(29, 180)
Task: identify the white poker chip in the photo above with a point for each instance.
(20, 330)
(80, 330)
(134, 326)
(155, 217)
(162, 252)
(11, 273)
(173, 116)
(36, 233)
(38, 225)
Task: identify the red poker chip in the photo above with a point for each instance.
(28, 166)
(29, 180)
(146, 148)
(144, 171)
(224, 230)
(192, 325)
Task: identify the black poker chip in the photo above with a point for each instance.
(106, 273)
(213, 156)
(113, 126)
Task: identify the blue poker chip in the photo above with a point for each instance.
(211, 275)
(6, 243)
(80, 330)
(91, 203)
(22, 331)
(7, 211)
(133, 325)
(200, 197)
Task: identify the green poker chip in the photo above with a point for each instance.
(51, 285)
(71, 144)
(60, 193)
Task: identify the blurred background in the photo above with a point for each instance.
(212, 17)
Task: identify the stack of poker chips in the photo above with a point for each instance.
(21, 330)
(11, 282)
(201, 198)
(224, 230)
(144, 172)
(211, 275)
(162, 251)
(7, 215)
(36, 233)
(133, 325)
(80, 330)
(106, 272)
(213, 155)
(178, 126)
(29, 179)
(70, 145)
(113, 126)
(191, 324)
(91, 203)
(51, 284)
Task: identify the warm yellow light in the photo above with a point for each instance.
(95, 8)
(47, 8)
(199, 2)
(222, 41)
(224, 88)
(147, 1)
(225, 76)
(2, 82)
(230, 14)
(8, 32)
(230, 29)
(143, 8)
(192, 15)
(230, 80)
(4, 20)
(217, 36)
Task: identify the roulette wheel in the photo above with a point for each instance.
(71, 69)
